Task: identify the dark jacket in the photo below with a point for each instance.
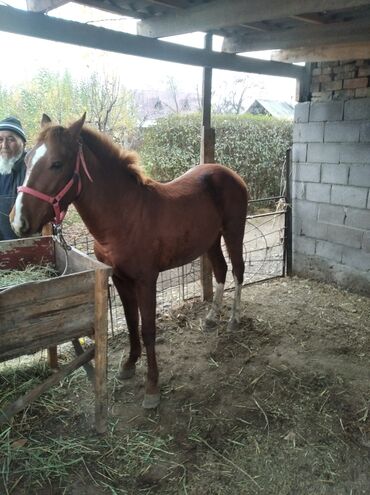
(8, 193)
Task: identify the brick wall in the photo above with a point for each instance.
(340, 80)
(331, 184)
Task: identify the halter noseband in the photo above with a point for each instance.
(55, 200)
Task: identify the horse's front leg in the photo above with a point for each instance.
(146, 294)
(126, 291)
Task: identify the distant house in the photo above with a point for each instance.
(274, 108)
(153, 105)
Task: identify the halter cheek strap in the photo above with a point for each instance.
(55, 200)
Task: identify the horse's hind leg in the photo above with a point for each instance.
(234, 243)
(219, 267)
(126, 291)
(146, 293)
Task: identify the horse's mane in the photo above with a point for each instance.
(104, 148)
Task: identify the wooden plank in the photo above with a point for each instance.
(101, 350)
(325, 53)
(38, 314)
(89, 368)
(44, 336)
(40, 26)
(10, 410)
(216, 15)
(311, 35)
(77, 261)
(53, 357)
(17, 253)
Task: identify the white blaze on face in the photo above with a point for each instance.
(17, 221)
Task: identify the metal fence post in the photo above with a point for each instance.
(288, 241)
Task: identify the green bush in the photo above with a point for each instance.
(253, 146)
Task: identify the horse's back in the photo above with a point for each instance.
(225, 187)
(211, 176)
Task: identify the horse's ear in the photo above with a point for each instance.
(45, 120)
(76, 127)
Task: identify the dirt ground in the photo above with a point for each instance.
(280, 407)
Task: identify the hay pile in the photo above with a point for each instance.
(30, 273)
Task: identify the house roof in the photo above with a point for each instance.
(278, 109)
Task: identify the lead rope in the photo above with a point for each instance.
(58, 236)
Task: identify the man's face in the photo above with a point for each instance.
(11, 148)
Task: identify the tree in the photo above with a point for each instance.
(109, 107)
(233, 101)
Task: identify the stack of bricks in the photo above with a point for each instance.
(342, 80)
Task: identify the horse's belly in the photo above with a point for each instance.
(186, 247)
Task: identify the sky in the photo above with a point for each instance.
(136, 73)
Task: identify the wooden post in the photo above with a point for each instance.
(207, 155)
(53, 350)
(303, 84)
(101, 338)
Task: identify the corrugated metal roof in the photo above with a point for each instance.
(276, 108)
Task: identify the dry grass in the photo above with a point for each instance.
(30, 273)
(278, 408)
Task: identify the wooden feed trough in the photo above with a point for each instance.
(43, 314)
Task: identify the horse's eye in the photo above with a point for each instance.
(57, 164)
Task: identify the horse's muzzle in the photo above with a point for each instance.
(20, 227)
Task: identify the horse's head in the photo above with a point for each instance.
(50, 184)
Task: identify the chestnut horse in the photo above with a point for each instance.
(140, 227)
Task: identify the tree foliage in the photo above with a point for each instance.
(255, 147)
(108, 106)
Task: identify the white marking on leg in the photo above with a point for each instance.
(18, 206)
(236, 303)
(217, 302)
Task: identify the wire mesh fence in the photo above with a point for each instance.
(264, 242)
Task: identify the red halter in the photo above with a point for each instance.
(55, 200)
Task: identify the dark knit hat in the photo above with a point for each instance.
(14, 125)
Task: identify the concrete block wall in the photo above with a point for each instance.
(331, 192)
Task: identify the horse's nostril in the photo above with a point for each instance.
(24, 226)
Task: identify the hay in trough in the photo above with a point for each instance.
(30, 273)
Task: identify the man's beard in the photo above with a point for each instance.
(6, 164)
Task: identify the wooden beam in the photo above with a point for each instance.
(303, 85)
(41, 26)
(44, 5)
(325, 53)
(216, 15)
(11, 409)
(172, 4)
(309, 18)
(310, 35)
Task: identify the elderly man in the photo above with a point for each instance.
(12, 170)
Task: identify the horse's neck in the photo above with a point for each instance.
(109, 199)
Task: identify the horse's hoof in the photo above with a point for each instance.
(233, 325)
(209, 325)
(126, 373)
(151, 401)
